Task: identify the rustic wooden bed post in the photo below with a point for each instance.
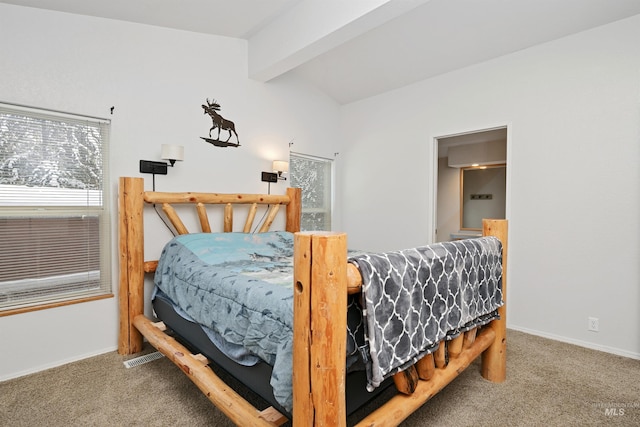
(294, 208)
(494, 359)
(131, 292)
(320, 312)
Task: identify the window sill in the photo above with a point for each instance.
(12, 311)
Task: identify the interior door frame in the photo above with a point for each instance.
(434, 177)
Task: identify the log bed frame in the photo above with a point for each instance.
(322, 280)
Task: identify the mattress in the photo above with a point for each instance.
(255, 377)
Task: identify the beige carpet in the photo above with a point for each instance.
(548, 383)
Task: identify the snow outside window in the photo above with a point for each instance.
(314, 176)
(54, 224)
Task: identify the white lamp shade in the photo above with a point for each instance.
(172, 152)
(280, 166)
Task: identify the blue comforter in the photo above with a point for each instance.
(241, 287)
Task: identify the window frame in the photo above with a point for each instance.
(328, 196)
(47, 296)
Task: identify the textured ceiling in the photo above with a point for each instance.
(352, 50)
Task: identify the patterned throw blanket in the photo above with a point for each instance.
(414, 298)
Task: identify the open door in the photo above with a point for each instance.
(462, 158)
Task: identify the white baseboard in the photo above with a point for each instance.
(592, 346)
(56, 364)
(606, 349)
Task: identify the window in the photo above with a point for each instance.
(54, 226)
(314, 176)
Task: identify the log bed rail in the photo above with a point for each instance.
(322, 281)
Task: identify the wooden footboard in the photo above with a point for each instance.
(322, 280)
(321, 283)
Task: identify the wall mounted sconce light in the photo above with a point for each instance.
(280, 166)
(169, 152)
(172, 153)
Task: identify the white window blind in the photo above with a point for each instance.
(314, 176)
(54, 227)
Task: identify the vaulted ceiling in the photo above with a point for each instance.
(354, 49)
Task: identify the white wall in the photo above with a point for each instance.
(448, 204)
(573, 111)
(157, 79)
(490, 181)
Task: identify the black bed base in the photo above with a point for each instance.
(256, 377)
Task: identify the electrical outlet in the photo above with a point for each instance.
(594, 324)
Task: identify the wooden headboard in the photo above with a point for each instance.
(131, 201)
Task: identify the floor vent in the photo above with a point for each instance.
(132, 363)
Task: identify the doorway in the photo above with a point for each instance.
(466, 156)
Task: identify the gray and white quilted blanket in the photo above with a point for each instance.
(417, 297)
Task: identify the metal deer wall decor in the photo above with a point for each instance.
(221, 123)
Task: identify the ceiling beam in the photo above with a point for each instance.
(314, 27)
